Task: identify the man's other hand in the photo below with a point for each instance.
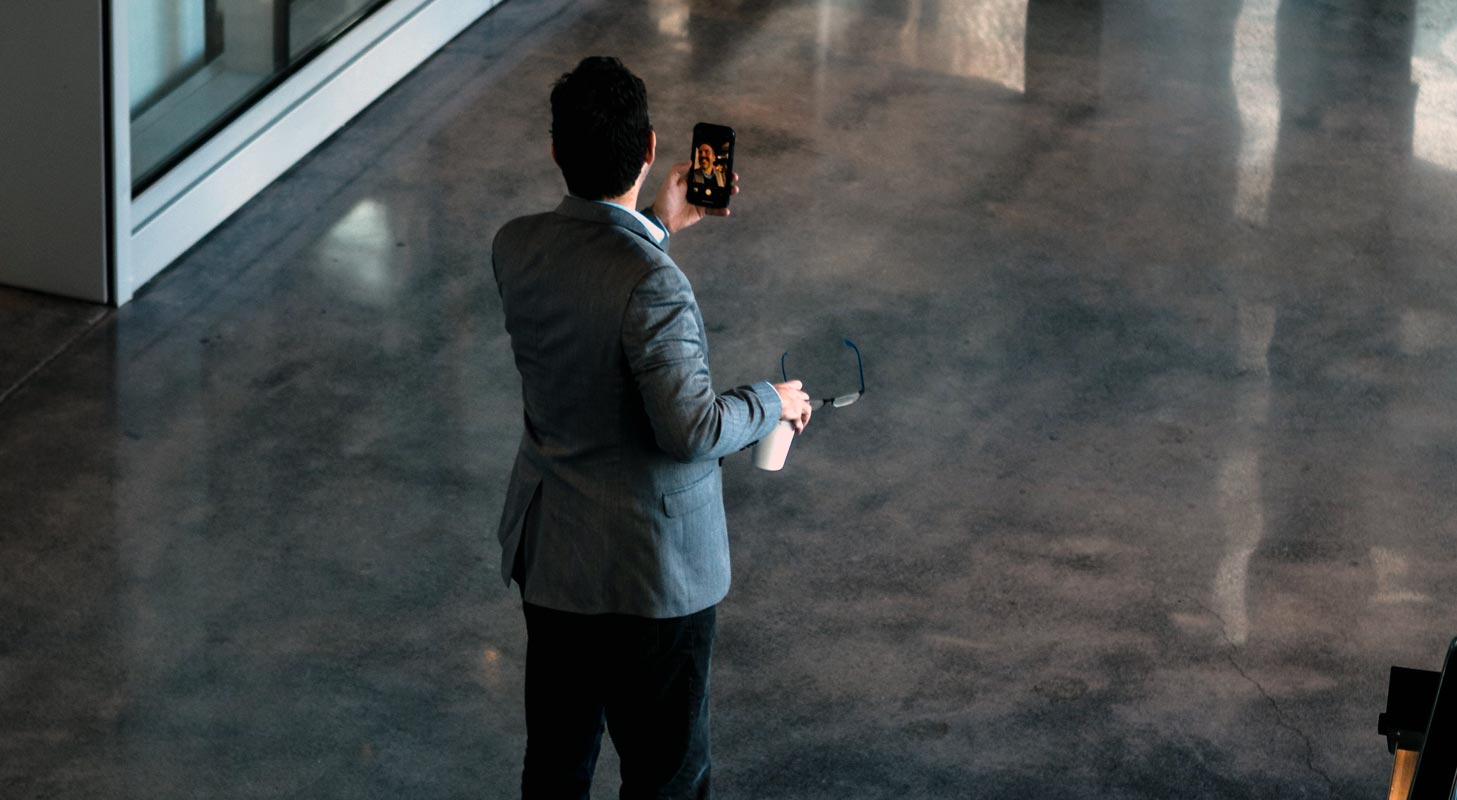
(793, 404)
(672, 206)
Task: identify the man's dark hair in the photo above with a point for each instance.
(600, 127)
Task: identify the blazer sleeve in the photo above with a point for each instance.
(663, 342)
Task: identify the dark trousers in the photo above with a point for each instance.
(645, 679)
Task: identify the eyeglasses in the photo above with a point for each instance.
(833, 402)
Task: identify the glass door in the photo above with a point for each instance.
(195, 65)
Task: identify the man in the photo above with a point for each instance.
(613, 525)
(707, 169)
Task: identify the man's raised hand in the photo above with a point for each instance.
(672, 206)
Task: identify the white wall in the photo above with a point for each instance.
(54, 180)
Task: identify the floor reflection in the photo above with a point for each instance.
(1253, 75)
(1160, 297)
(969, 40)
(1434, 71)
(1239, 495)
(358, 253)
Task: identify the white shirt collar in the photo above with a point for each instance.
(654, 231)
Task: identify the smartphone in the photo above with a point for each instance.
(711, 178)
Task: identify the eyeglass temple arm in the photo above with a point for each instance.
(859, 365)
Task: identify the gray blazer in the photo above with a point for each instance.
(619, 464)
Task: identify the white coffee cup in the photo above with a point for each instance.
(771, 450)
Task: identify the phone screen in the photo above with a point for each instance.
(711, 178)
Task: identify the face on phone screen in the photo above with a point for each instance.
(710, 181)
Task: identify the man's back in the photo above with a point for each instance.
(623, 431)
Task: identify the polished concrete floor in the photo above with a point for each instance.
(1152, 483)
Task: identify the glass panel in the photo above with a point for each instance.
(196, 64)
